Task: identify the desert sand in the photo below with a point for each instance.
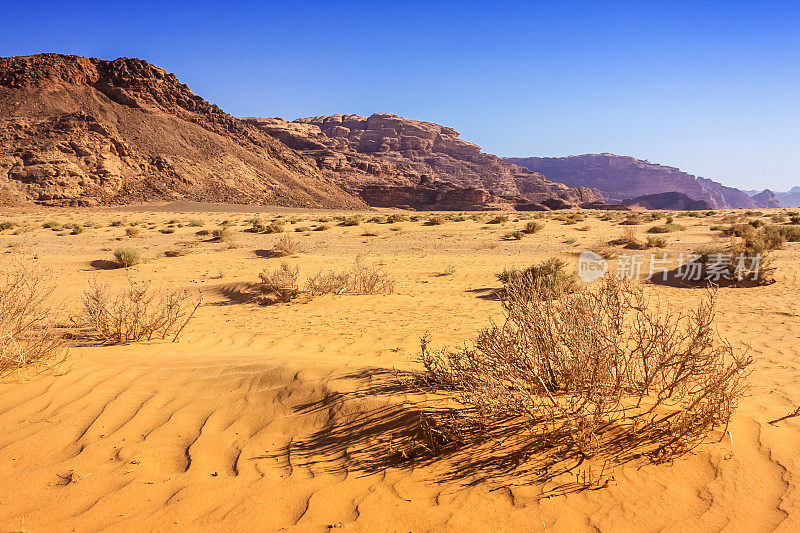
(289, 417)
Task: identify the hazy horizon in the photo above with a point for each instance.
(706, 87)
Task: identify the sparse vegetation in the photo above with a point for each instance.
(594, 370)
(28, 336)
(532, 227)
(280, 284)
(126, 257)
(552, 272)
(137, 313)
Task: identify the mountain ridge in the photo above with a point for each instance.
(620, 178)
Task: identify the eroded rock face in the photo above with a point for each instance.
(369, 155)
(620, 177)
(81, 131)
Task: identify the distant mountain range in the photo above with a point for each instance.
(621, 177)
(790, 198)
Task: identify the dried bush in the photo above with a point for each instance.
(532, 227)
(499, 219)
(132, 232)
(279, 285)
(513, 236)
(28, 337)
(655, 242)
(353, 220)
(370, 278)
(328, 283)
(126, 257)
(285, 246)
(139, 312)
(435, 220)
(552, 272)
(667, 227)
(599, 370)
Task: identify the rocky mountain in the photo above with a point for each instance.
(791, 198)
(621, 177)
(393, 161)
(76, 130)
(676, 201)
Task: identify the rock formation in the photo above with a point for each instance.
(75, 130)
(391, 161)
(676, 201)
(620, 177)
(791, 198)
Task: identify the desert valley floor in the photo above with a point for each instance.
(291, 416)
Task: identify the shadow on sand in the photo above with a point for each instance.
(394, 422)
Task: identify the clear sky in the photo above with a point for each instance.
(710, 87)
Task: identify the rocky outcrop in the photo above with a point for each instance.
(676, 201)
(621, 177)
(75, 130)
(791, 198)
(423, 161)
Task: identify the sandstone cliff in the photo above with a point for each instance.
(75, 130)
(620, 177)
(388, 160)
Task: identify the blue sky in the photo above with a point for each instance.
(710, 87)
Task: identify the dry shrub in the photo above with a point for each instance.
(328, 283)
(126, 257)
(532, 227)
(132, 232)
(551, 271)
(286, 246)
(597, 370)
(279, 285)
(655, 242)
(369, 278)
(139, 312)
(435, 220)
(28, 336)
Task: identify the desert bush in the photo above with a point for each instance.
(499, 219)
(328, 283)
(667, 227)
(257, 226)
(435, 220)
(794, 219)
(126, 257)
(552, 272)
(28, 336)
(322, 227)
(632, 220)
(76, 229)
(7, 224)
(115, 223)
(353, 220)
(285, 246)
(370, 278)
(302, 229)
(789, 233)
(279, 284)
(195, 223)
(514, 236)
(139, 312)
(132, 232)
(167, 231)
(396, 217)
(532, 227)
(600, 368)
(655, 242)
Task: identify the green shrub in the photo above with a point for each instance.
(668, 227)
(126, 257)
